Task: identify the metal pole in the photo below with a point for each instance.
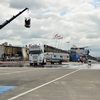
(56, 43)
(61, 43)
(8, 21)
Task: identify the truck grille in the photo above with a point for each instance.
(34, 57)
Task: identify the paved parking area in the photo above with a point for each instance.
(53, 82)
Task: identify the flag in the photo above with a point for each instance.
(74, 46)
(60, 38)
(56, 35)
(67, 42)
(78, 49)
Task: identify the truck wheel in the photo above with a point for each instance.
(35, 63)
(60, 62)
(31, 64)
(52, 62)
(44, 63)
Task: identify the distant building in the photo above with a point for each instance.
(14, 51)
(78, 53)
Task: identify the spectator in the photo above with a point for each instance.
(78, 60)
(82, 60)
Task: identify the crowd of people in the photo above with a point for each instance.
(81, 60)
(8, 56)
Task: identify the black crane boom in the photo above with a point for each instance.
(8, 21)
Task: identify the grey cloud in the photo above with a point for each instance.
(4, 1)
(5, 35)
(75, 38)
(35, 33)
(34, 4)
(91, 36)
(95, 18)
(95, 47)
(39, 5)
(47, 16)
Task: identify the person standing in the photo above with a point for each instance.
(82, 60)
(78, 60)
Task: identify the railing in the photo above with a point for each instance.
(14, 60)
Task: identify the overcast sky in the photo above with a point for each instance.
(77, 21)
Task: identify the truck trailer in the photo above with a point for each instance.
(41, 54)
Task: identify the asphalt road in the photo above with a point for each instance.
(68, 81)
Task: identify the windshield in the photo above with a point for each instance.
(35, 52)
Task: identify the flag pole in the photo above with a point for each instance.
(58, 45)
(56, 39)
(59, 40)
(61, 43)
(55, 42)
(68, 44)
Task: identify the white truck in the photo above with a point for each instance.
(37, 55)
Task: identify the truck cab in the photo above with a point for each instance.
(36, 54)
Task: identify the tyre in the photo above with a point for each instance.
(44, 63)
(31, 64)
(52, 62)
(60, 62)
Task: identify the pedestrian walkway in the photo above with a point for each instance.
(4, 89)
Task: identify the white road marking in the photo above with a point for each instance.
(18, 72)
(43, 85)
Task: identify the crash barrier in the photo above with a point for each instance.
(14, 60)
